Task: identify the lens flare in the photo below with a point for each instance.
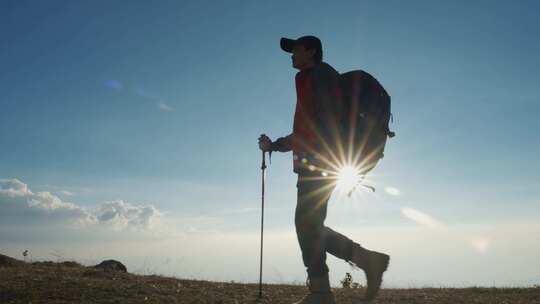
(347, 178)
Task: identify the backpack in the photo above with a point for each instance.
(366, 115)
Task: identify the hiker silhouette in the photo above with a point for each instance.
(314, 142)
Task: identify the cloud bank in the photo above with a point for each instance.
(20, 207)
(121, 215)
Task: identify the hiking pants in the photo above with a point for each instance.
(314, 238)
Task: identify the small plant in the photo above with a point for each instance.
(347, 281)
(27, 255)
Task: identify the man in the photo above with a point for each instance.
(314, 143)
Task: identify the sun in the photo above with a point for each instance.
(347, 179)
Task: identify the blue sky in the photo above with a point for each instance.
(153, 111)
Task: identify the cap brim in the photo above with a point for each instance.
(287, 44)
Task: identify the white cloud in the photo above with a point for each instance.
(392, 191)
(16, 200)
(20, 206)
(150, 96)
(121, 215)
(480, 244)
(66, 193)
(12, 187)
(421, 218)
(164, 107)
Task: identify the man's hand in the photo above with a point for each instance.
(265, 143)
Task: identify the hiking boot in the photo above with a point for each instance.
(319, 291)
(374, 265)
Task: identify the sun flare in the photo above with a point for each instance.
(347, 178)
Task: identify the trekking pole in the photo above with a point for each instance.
(263, 167)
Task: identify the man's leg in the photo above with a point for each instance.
(309, 218)
(337, 244)
(311, 207)
(315, 239)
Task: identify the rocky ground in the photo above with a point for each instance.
(70, 282)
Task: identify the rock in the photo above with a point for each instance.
(111, 265)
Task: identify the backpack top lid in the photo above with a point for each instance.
(358, 82)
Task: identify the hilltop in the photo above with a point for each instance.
(70, 282)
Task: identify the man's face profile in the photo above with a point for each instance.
(301, 57)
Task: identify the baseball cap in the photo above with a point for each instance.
(309, 42)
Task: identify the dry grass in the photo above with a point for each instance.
(70, 282)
